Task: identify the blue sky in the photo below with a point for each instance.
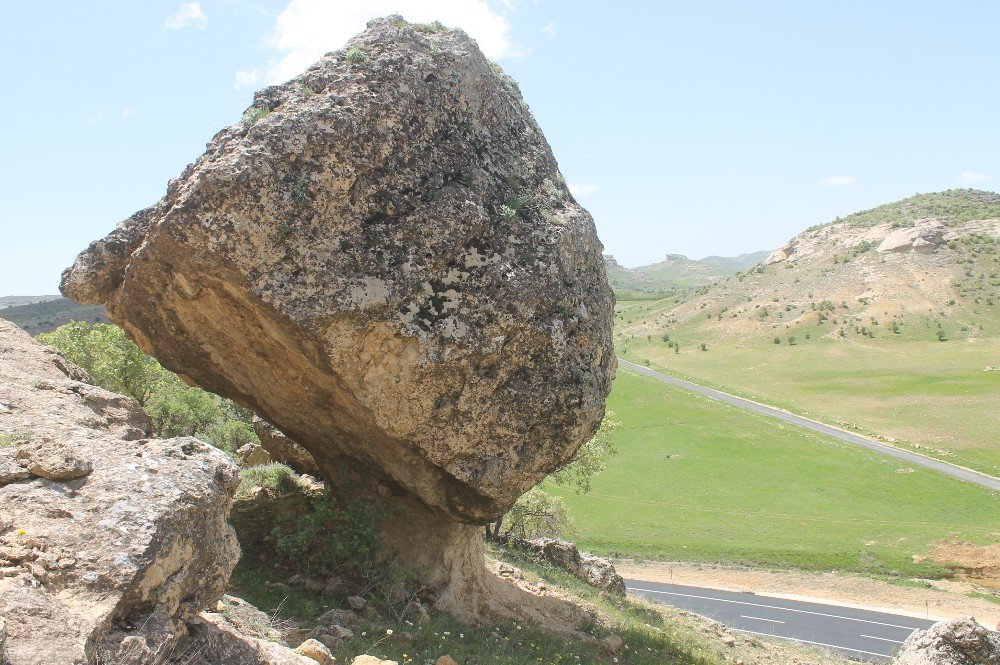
(685, 127)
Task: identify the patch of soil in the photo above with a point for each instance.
(974, 562)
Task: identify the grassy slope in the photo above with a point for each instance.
(866, 326)
(700, 480)
(932, 394)
(654, 634)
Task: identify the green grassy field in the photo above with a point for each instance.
(699, 480)
(931, 394)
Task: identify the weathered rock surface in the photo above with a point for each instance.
(283, 449)
(386, 265)
(222, 642)
(592, 569)
(384, 262)
(952, 642)
(108, 540)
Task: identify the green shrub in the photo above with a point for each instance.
(333, 535)
(275, 477)
(253, 115)
(355, 55)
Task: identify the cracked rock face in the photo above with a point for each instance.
(383, 261)
(952, 642)
(108, 540)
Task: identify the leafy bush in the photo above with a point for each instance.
(276, 477)
(114, 362)
(334, 534)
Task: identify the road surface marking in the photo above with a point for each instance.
(772, 607)
(820, 644)
(744, 616)
(884, 639)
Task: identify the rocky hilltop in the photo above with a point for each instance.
(905, 266)
(383, 260)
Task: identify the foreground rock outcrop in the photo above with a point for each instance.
(952, 642)
(384, 262)
(109, 540)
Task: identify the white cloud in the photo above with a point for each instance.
(837, 180)
(127, 112)
(307, 29)
(550, 30)
(581, 190)
(246, 78)
(972, 178)
(188, 15)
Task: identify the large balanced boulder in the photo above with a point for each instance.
(109, 540)
(383, 260)
(952, 642)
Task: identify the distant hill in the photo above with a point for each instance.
(43, 314)
(14, 301)
(675, 272)
(911, 268)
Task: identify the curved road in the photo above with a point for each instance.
(857, 633)
(989, 482)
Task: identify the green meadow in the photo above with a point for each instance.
(927, 395)
(699, 480)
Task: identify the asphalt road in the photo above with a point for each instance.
(968, 475)
(858, 634)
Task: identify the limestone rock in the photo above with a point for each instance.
(387, 265)
(951, 642)
(112, 540)
(283, 449)
(371, 660)
(253, 455)
(594, 570)
(224, 644)
(316, 651)
(384, 261)
(357, 603)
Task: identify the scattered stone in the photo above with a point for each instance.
(371, 660)
(357, 603)
(594, 570)
(729, 640)
(951, 642)
(328, 640)
(225, 644)
(109, 567)
(445, 660)
(59, 466)
(418, 612)
(613, 643)
(338, 617)
(253, 454)
(340, 632)
(316, 651)
(283, 449)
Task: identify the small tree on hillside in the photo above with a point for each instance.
(114, 362)
(539, 513)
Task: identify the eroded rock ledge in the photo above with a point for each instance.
(109, 540)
